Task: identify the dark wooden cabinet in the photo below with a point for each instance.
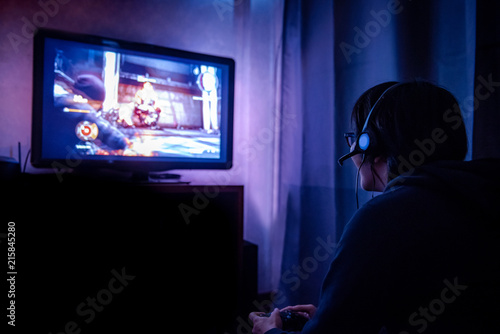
(106, 256)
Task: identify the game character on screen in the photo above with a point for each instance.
(80, 103)
(145, 106)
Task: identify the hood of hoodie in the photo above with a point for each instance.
(476, 182)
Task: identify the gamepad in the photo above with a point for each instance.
(292, 322)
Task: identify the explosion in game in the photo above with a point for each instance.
(128, 105)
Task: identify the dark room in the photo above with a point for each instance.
(250, 166)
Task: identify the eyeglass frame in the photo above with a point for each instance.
(348, 136)
(354, 151)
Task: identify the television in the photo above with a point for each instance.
(106, 103)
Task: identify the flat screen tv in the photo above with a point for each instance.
(105, 103)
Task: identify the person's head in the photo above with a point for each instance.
(412, 124)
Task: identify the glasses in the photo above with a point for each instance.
(350, 138)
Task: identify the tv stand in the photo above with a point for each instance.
(173, 245)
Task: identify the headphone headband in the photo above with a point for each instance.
(365, 126)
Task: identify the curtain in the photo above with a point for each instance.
(486, 101)
(332, 52)
(306, 192)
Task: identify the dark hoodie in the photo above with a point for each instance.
(423, 257)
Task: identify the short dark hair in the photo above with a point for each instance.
(415, 123)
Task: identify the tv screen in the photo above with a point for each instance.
(101, 102)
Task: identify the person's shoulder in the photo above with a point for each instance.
(392, 201)
(388, 213)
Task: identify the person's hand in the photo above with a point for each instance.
(263, 324)
(307, 311)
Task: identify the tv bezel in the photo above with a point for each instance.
(132, 164)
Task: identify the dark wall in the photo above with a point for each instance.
(191, 25)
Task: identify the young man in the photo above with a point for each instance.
(424, 256)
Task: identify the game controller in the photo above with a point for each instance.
(291, 321)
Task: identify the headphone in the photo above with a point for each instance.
(366, 140)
